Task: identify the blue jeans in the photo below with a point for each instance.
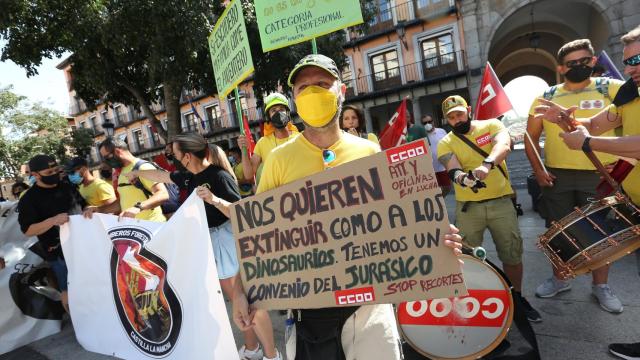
(59, 268)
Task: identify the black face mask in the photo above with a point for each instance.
(105, 173)
(178, 164)
(169, 157)
(114, 163)
(51, 179)
(462, 127)
(577, 74)
(280, 119)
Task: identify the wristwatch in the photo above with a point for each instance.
(138, 205)
(489, 160)
(585, 144)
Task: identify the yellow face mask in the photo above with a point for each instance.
(317, 105)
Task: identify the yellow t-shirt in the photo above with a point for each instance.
(300, 158)
(264, 146)
(239, 171)
(482, 135)
(590, 102)
(97, 192)
(630, 114)
(129, 194)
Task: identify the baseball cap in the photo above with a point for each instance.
(454, 103)
(75, 163)
(318, 60)
(275, 99)
(41, 162)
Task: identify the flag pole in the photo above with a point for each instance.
(314, 46)
(240, 117)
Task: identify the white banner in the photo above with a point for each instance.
(143, 290)
(29, 308)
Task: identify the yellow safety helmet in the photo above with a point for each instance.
(275, 99)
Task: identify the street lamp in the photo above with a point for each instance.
(108, 127)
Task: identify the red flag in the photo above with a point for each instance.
(492, 100)
(247, 132)
(395, 132)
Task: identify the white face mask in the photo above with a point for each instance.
(429, 127)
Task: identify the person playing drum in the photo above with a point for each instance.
(474, 153)
(570, 179)
(624, 112)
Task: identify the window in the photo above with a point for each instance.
(83, 124)
(438, 51)
(120, 114)
(214, 117)
(385, 69)
(138, 139)
(347, 78)
(425, 3)
(154, 138)
(191, 122)
(92, 122)
(383, 11)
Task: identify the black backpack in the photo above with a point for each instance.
(169, 206)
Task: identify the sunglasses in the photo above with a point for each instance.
(632, 60)
(328, 156)
(582, 61)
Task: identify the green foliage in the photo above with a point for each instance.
(81, 141)
(140, 52)
(27, 130)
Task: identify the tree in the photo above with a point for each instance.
(27, 130)
(140, 52)
(81, 141)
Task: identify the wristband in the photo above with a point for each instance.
(585, 144)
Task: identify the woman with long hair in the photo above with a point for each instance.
(211, 174)
(352, 121)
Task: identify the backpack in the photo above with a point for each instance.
(602, 86)
(169, 206)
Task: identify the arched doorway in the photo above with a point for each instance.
(527, 41)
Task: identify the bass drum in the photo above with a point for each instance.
(467, 327)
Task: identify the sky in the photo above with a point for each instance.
(48, 87)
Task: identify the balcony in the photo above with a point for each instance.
(427, 70)
(223, 122)
(388, 18)
(77, 107)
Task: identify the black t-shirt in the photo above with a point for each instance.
(221, 184)
(39, 204)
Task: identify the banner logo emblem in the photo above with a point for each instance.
(148, 307)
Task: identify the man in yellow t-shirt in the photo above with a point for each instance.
(133, 201)
(96, 192)
(479, 208)
(235, 159)
(369, 331)
(278, 129)
(571, 179)
(624, 112)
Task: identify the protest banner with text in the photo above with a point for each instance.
(368, 232)
(287, 22)
(230, 51)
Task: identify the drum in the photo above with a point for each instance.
(466, 327)
(592, 236)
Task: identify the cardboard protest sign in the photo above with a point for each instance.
(284, 23)
(368, 232)
(230, 51)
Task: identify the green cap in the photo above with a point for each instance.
(317, 60)
(275, 99)
(453, 103)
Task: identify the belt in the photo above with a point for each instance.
(465, 205)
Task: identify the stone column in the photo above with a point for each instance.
(367, 119)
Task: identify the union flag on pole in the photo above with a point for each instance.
(492, 100)
(395, 132)
(247, 132)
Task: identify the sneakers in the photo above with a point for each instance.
(551, 287)
(278, 356)
(532, 314)
(607, 299)
(626, 351)
(246, 354)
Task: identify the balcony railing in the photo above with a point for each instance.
(429, 69)
(387, 18)
(222, 122)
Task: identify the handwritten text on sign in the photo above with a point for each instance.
(286, 22)
(369, 232)
(230, 51)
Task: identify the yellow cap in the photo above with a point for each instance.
(454, 103)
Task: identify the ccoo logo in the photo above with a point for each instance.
(148, 307)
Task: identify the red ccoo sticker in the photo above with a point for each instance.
(483, 139)
(405, 152)
(355, 296)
